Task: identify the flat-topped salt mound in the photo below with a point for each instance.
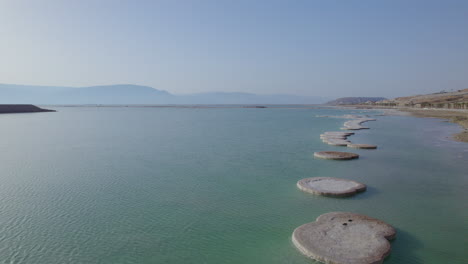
(353, 127)
(333, 138)
(324, 139)
(337, 142)
(336, 138)
(345, 238)
(355, 124)
(338, 133)
(362, 146)
(336, 155)
(330, 186)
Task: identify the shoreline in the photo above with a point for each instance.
(456, 116)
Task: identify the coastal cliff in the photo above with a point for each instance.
(21, 108)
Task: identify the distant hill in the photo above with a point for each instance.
(355, 100)
(108, 94)
(136, 94)
(114, 94)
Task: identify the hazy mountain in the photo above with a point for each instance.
(109, 94)
(135, 94)
(115, 94)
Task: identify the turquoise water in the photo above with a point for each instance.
(170, 185)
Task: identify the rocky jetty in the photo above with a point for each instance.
(345, 238)
(21, 108)
(329, 186)
(336, 155)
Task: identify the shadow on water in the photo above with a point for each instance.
(370, 192)
(367, 194)
(404, 247)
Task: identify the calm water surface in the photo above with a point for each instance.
(169, 185)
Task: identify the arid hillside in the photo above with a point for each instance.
(449, 100)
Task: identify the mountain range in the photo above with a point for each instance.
(136, 94)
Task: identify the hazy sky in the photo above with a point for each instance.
(328, 48)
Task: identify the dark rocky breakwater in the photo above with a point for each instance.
(21, 108)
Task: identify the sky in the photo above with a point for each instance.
(306, 47)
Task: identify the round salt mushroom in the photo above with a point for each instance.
(333, 136)
(329, 186)
(345, 238)
(338, 133)
(336, 155)
(337, 142)
(362, 146)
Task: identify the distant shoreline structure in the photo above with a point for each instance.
(447, 105)
(441, 100)
(21, 108)
(457, 116)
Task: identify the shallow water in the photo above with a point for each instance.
(170, 185)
